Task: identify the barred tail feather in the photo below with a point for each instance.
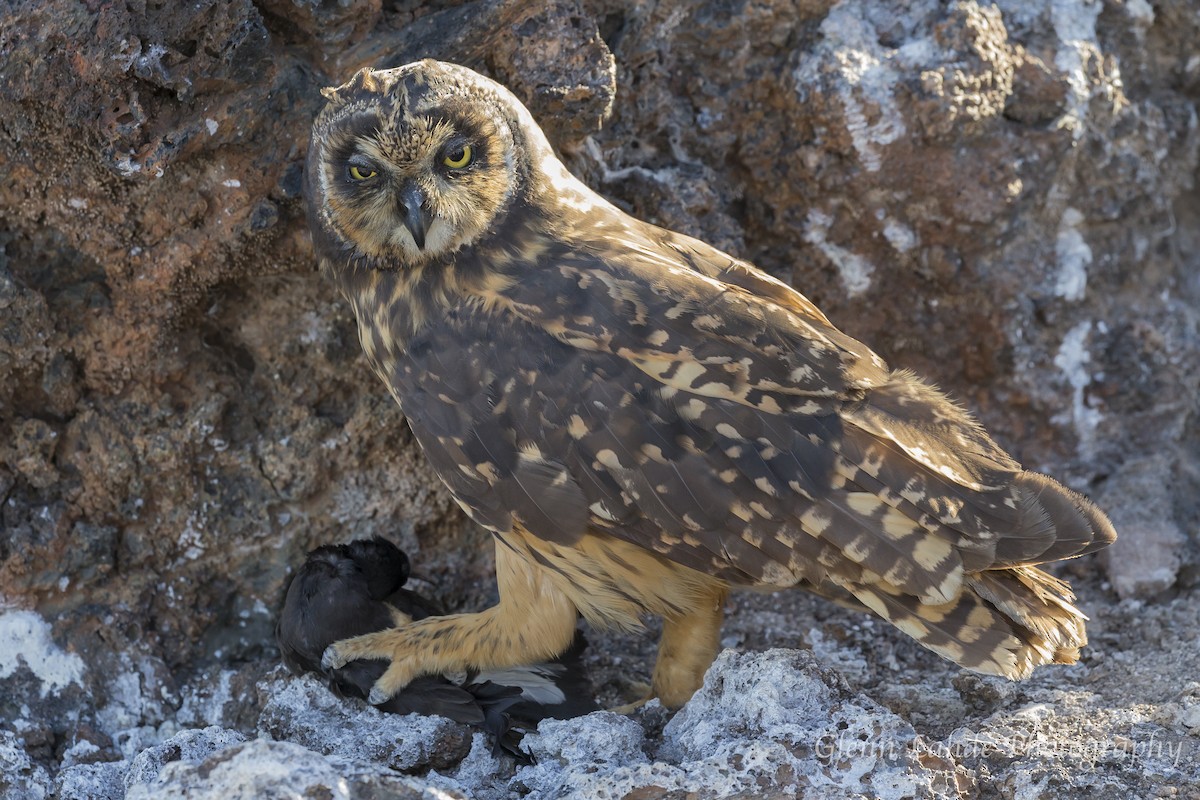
(1005, 622)
(1040, 608)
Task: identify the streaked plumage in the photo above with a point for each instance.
(357, 588)
(644, 421)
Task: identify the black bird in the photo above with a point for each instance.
(350, 589)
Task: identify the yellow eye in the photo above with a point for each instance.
(459, 158)
(361, 173)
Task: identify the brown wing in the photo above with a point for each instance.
(757, 440)
(525, 428)
(770, 449)
(645, 299)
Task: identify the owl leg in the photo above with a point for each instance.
(534, 621)
(689, 644)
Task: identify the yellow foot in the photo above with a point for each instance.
(388, 645)
(647, 695)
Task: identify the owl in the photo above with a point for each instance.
(644, 422)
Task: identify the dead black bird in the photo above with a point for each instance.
(351, 589)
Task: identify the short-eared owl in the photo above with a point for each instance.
(644, 422)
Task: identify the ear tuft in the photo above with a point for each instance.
(363, 81)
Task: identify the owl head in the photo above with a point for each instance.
(407, 166)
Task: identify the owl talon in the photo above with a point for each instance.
(391, 682)
(641, 688)
(331, 659)
(378, 645)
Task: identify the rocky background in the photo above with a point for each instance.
(1000, 196)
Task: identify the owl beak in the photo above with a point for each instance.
(415, 213)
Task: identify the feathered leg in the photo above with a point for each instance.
(688, 646)
(534, 621)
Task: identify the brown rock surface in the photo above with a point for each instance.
(1001, 197)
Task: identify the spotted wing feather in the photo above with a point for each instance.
(685, 483)
(722, 439)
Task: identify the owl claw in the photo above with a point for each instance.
(356, 648)
(398, 675)
(388, 645)
(331, 659)
(647, 694)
